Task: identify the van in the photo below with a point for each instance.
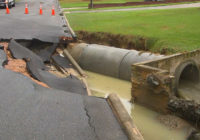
(11, 3)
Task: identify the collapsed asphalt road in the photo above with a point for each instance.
(30, 111)
(47, 28)
(39, 71)
(59, 110)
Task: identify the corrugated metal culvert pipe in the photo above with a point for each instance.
(107, 60)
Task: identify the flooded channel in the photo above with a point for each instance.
(150, 123)
(189, 90)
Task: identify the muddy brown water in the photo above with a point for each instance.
(189, 90)
(147, 121)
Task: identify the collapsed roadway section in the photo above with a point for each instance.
(42, 96)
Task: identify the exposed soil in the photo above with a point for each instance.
(120, 41)
(18, 65)
(117, 40)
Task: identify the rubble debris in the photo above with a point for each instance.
(17, 65)
(20, 52)
(38, 70)
(53, 69)
(45, 54)
(195, 135)
(70, 83)
(187, 109)
(62, 61)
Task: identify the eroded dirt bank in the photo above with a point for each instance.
(139, 43)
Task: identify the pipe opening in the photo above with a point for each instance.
(188, 84)
(189, 74)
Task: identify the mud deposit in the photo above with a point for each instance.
(152, 125)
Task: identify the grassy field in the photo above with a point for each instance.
(124, 7)
(176, 29)
(84, 3)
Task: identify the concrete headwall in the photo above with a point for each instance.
(154, 82)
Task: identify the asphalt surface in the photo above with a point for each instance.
(191, 5)
(30, 111)
(62, 62)
(46, 54)
(18, 25)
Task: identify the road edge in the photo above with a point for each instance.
(124, 118)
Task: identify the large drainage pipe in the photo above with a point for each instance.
(110, 61)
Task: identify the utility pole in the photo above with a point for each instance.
(91, 4)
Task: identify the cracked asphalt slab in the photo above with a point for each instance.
(45, 54)
(38, 70)
(46, 27)
(63, 62)
(30, 111)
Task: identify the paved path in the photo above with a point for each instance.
(142, 8)
(74, 8)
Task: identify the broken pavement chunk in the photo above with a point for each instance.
(46, 54)
(20, 52)
(62, 61)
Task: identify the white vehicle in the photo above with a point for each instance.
(11, 3)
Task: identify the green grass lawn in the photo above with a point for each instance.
(177, 29)
(84, 3)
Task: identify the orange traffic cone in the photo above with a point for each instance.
(26, 8)
(7, 9)
(41, 9)
(53, 11)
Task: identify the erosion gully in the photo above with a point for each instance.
(152, 125)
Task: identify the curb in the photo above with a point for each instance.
(70, 29)
(66, 21)
(124, 118)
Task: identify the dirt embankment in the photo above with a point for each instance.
(120, 41)
(117, 40)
